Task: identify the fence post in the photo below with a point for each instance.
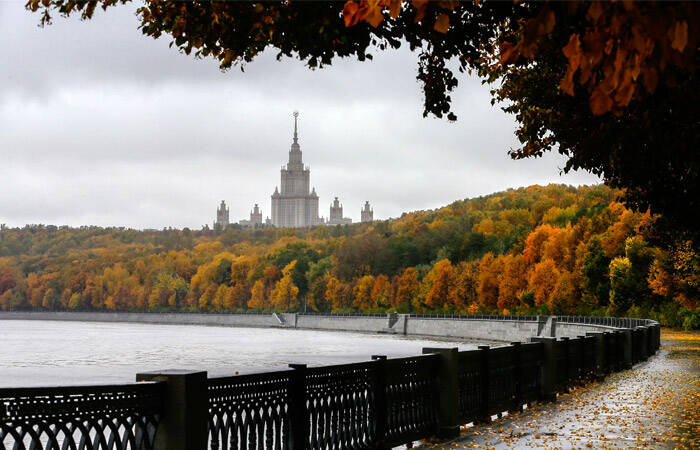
(548, 375)
(650, 340)
(185, 409)
(484, 416)
(627, 349)
(598, 354)
(381, 410)
(566, 343)
(299, 423)
(517, 401)
(643, 350)
(448, 391)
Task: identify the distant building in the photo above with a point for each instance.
(293, 205)
(336, 214)
(221, 217)
(366, 213)
(255, 220)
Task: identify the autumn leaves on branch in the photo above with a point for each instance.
(625, 47)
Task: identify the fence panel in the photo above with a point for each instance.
(411, 397)
(106, 417)
(611, 358)
(575, 360)
(561, 361)
(341, 406)
(588, 356)
(636, 353)
(469, 382)
(531, 358)
(502, 379)
(249, 412)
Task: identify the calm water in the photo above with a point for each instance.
(36, 353)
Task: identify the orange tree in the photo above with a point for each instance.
(611, 85)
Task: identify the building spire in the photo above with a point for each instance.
(295, 114)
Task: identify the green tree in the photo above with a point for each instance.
(623, 286)
(596, 281)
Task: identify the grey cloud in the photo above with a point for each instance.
(101, 125)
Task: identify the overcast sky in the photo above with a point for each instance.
(100, 125)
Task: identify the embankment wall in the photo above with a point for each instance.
(446, 327)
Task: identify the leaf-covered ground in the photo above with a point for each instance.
(654, 405)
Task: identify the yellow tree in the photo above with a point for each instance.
(442, 286)
(207, 298)
(566, 294)
(362, 293)
(257, 297)
(74, 302)
(51, 299)
(284, 295)
(381, 292)
(220, 297)
(93, 292)
(512, 281)
(534, 243)
(121, 289)
(155, 299)
(407, 287)
(466, 282)
(556, 246)
(237, 297)
(487, 288)
(336, 294)
(542, 281)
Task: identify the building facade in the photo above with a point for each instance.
(336, 214)
(293, 205)
(256, 219)
(221, 217)
(367, 214)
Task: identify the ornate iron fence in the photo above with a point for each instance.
(341, 407)
(80, 417)
(250, 411)
(372, 404)
(530, 372)
(471, 379)
(411, 403)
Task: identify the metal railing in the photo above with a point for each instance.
(115, 417)
(373, 404)
(474, 317)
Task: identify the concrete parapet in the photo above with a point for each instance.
(460, 327)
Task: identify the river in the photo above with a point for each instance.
(47, 353)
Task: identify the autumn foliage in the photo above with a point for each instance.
(535, 250)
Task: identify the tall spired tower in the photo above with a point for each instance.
(293, 205)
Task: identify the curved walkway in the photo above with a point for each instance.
(654, 405)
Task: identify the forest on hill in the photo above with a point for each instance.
(538, 250)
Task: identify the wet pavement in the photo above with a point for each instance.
(656, 404)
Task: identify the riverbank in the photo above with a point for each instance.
(654, 405)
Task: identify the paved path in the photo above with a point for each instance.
(654, 405)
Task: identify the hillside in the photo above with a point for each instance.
(553, 249)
